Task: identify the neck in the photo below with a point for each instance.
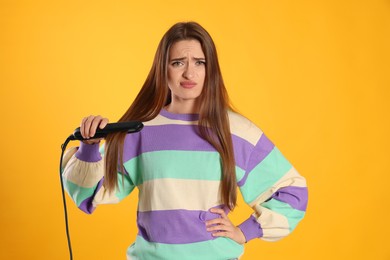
(183, 107)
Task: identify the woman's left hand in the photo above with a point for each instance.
(223, 227)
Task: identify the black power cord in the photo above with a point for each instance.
(63, 148)
(129, 127)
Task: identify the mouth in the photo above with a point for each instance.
(187, 84)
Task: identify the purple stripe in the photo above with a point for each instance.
(251, 228)
(175, 226)
(296, 197)
(242, 151)
(88, 152)
(178, 138)
(183, 117)
(165, 137)
(86, 205)
(263, 147)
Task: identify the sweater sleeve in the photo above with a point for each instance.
(276, 192)
(83, 175)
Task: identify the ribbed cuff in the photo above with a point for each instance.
(88, 152)
(251, 228)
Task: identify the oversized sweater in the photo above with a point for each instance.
(178, 175)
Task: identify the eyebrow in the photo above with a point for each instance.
(184, 58)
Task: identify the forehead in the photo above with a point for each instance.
(186, 47)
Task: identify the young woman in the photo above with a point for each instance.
(187, 162)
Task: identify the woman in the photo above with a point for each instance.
(188, 161)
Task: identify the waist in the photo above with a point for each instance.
(174, 226)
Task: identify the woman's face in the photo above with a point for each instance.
(186, 71)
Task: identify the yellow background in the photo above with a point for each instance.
(314, 75)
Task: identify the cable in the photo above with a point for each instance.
(129, 127)
(63, 148)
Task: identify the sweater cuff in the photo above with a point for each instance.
(251, 228)
(88, 152)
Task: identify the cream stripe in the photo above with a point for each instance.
(161, 120)
(168, 194)
(273, 224)
(68, 155)
(104, 197)
(84, 174)
(244, 128)
(291, 178)
(274, 234)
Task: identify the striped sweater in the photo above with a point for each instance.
(178, 176)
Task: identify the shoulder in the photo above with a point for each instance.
(244, 128)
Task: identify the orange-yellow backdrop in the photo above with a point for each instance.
(314, 75)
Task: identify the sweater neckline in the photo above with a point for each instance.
(184, 117)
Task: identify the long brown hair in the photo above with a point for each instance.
(154, 95)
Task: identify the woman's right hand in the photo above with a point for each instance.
(88, 128)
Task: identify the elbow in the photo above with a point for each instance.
(87, 206)
(296, 197)
(275, 234)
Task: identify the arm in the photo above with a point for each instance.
(83, 173)
(84, 176)
(275, 191)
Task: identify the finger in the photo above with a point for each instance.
(87, 126)
(83, 127)
(92, 141)
(220, 228)
(222, 234)
(218, 221)
(103, 123)
(219, 211)
(94, 124)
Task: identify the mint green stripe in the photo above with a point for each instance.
(220, 248)
(264, 175)
(239, 173)
(185, 165)
(101, 149)
(125, 186)
(77, 193)
(293, 215)
(174, 164)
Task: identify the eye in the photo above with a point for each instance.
(200, 62)
(176, 63)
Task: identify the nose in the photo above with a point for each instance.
(188, 72)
